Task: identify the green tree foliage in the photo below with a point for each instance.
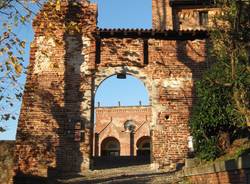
(223, 93)
(230, 38)
(214, 114)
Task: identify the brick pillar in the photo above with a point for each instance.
(97, 144)
(132, 142)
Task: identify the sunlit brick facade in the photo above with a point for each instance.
(128, 126)
(56, 132)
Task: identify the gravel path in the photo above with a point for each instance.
(127, 175)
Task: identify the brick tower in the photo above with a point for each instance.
(162, 15)
(54, 129)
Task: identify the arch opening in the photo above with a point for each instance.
(121, 110)
(110, 146)
(122, 115)
(143, 146)
(121, 89)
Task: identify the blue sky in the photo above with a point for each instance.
(124, 13)
(111, 14)
(128, 91)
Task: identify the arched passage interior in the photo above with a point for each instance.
(120, 99)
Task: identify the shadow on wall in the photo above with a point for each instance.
(68, 154)
(194, 56)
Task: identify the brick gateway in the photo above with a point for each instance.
(68, 63)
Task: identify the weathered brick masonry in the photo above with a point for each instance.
(68, 63)
(182, 14)
(169, 75)
(58, 92)
(235, 171)
(236, 177)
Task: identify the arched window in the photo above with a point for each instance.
(110, 147)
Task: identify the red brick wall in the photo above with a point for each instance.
(169, 77)
(54, 92)
(188, 17)
(110, 123)
(178, 17)
(229, 177)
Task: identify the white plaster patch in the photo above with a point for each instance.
(84, 66)
(43, 54)
(156, 106)
(86, 106)
(87, 93)
(51, 42)
(175, 83)
(132, 58)
(85, 42)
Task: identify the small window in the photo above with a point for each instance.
(203, 18)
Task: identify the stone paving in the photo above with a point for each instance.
(127, 175)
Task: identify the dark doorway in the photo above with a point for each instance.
(110, 147)
(143, 146)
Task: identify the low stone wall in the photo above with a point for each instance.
(6, 161)
(224, 172)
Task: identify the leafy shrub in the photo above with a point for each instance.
(214, 114)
